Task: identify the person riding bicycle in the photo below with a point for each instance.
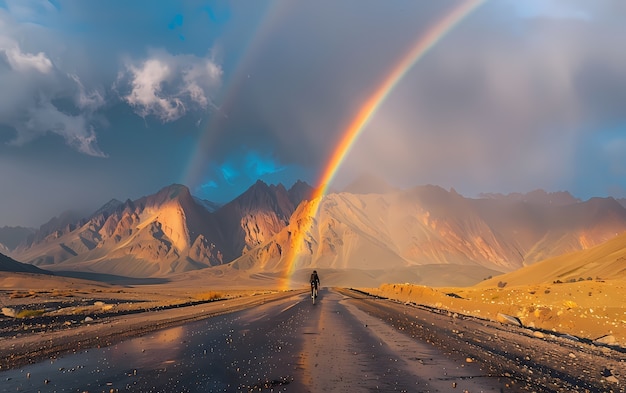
(315, 281)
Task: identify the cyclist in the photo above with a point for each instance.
(315, 282)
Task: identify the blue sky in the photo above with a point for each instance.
(117, 99)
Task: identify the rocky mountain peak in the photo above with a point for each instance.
(538, 197)
(299, 192)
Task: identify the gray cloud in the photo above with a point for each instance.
(502, 103)
(37, 87)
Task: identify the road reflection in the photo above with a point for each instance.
(233, 352)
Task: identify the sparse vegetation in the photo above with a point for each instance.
(22, 294)
(211, 295)
(569, 304)
(29, 313)
(501, 284)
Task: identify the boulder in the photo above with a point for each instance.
(508, 319)
(605, 340)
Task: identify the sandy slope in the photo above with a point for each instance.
(587, 309)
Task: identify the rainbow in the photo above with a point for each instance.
(363, 116)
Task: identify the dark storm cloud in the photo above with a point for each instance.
(312, 72)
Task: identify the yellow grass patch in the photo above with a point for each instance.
(29, 313)
(211, 295)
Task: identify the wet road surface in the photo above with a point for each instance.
(346, 342)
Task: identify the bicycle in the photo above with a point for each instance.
(313, 291)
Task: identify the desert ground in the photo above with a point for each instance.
(65, 316)
(592, 310)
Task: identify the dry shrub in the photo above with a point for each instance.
(22, 294)
(29, 313)
(211, 295)
(570, 304)
(62, 293)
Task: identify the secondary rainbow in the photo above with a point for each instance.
(368, 109)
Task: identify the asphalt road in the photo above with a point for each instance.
(346, 342)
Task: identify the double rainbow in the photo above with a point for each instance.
(363, 116)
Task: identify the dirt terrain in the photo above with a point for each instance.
(590, 310)
(555, 338)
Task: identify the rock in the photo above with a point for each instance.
(612, 379)
(508, 319)
(9, 312)
(538, 334)
(569, 337)
(570, 304)
(99, 304)
(88, 319)
(605, 340)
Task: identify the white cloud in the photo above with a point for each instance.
(22, 62)
(168, 86)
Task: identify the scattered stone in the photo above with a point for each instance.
(469, 360)
(569, 304)
(606, 372)
(605, 340)
(508, 319)
(571, 355)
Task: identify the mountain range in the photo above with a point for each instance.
(271, 231)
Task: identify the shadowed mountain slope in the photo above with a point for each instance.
(9, 265)
(12, 237)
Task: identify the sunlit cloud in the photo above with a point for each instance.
(168, 86)
(23, 62)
